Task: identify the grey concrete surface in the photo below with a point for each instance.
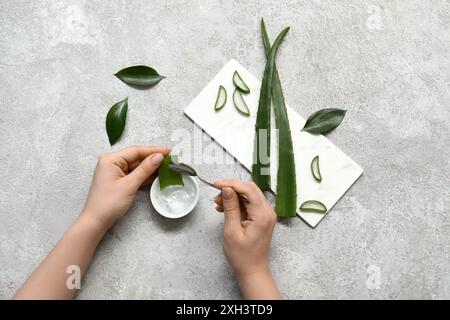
(387, 62)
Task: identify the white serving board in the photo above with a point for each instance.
(235, 133)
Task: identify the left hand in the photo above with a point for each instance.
(117, 178)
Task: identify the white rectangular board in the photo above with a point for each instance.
(235, 133)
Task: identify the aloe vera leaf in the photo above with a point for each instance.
(286, 193)
(313, 206)
(260, 170)
(167, 176)
(315, 169)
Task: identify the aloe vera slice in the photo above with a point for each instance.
(239, 83)
(315, 169)
(167, 176)
(240, 104)
(221, 99)
(313, 206)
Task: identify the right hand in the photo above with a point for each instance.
(248, 227)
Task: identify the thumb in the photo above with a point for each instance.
(144, 170)
(231, 207)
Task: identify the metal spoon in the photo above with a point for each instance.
(189, 171)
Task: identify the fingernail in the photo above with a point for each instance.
(227, 193)
(157, 158)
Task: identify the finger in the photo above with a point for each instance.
(246, 223)
(232, 210)
(150, 180)
(249, 189)
(255, 207)
(144, 170)
(133, 165)
(219, 200)
(133, 154)
(147, 182)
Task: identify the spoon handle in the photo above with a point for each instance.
(241, 195)
(207, 182)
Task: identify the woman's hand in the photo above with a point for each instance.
(116, 180)
(247, 233)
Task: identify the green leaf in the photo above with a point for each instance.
(141, 76)
(167, 176)
(324, 120)
(261, 167)
(286, 193)
(265, 38)
(115, 120)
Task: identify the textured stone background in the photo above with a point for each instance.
(387, 238)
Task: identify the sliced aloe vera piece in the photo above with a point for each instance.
(313, 206)
(167, 176)
(221, 99)
(239, 83)
(315, 169)
(240, 104)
